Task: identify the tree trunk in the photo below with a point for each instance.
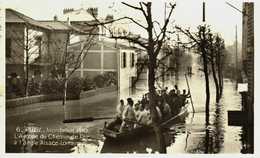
(206, 75)
(215, 80)
(65, 92)
(205, 70)
(27, 62)
(65, 70)
(220, 75)
(152, 104)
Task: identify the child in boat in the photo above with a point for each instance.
(128, 116)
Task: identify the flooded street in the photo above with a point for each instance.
(188, 136)
(192, 136)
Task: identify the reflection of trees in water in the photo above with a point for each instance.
(214, 134)
(247, 139)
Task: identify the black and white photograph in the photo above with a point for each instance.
(128, 77)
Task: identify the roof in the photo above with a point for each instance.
(13, 16)
(56, 25)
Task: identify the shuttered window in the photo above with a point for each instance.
(124, 60)
(132, 59)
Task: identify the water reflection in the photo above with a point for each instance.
(194, 135)
(190, 135)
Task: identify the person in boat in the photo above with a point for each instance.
(172, 100)
(145, 99)
(128, 116)
(184, 96)
(137, 108)
(119, 112)
(178, 92)
(166, 111)
(120, 108)
(166, 90)
(145, 117)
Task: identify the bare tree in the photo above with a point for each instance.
(152, 45)
(220, 50)
(216, 49)
(200, 41)
(25, 48)
(212, 59)
(64, 62)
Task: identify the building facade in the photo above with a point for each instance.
(28, 43)
(248, 76)
(106, 55)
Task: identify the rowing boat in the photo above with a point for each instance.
(145, 129)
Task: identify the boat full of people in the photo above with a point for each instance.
(134, 119)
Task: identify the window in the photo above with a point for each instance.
(8, 47)
(132, 59)
(124, 60)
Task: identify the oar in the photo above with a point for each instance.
(86, 119)
(190, 94)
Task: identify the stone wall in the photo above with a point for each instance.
(12, 103)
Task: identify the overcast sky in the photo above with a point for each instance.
(188, 13)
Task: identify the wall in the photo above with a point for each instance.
(126, 73)
(100, 58)
(12, 103)
(15, 32)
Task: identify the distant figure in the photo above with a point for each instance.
(128, 116)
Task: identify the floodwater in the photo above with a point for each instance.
(188, 136)
(192, 135)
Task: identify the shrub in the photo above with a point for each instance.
(33, 88)
(51, 86)
(87, 84)
(110, 78)
(99, 81)
(74, 88)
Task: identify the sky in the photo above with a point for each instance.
(188, 13)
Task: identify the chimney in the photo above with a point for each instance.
(67, 10)
(109, 17)
(93, 11)
(55, 18)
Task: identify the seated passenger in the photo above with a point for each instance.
(137, 109)
(128, 116)
(166, 110)
(118, 120)
(120, 108)
(144, 117)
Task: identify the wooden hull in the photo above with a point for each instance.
(139, 131)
